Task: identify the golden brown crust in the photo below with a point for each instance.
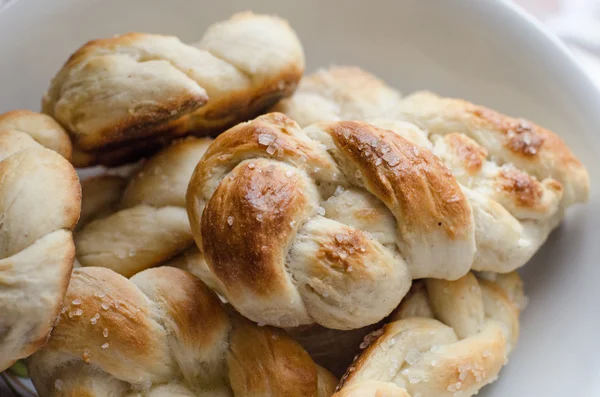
(285, 360)
(127, 96)
(256, 204)
(533, 149)
(242, 202)
(115, 334)
(412, 183)
(467, 151)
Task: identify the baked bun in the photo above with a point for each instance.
(340, 93)
(40, 199)
(139, 222)
(124, 97)
(142, 336)
(449, 337)
(325, 225)
(518, 177)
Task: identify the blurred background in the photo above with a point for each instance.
(577, 23)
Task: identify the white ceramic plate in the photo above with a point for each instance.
(484, 51)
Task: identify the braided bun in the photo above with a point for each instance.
(327, 224)
(518, 177)
(123, 337)
(449, 338)
(124, 97)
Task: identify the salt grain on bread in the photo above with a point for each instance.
(447, 337)
(288, 251)
(159, 340)
(124, 97)
(518, 177)
(40, 199)
(140, 222)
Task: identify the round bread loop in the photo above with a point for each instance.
(140, 222)
(123, 337)
(125, 97)
(40, 199)
(325, 225)
(447, 338)
(518, 177)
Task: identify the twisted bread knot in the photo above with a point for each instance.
(150, 224)
(327, 224)
(517, 176)
(141, 336)
(449, 338)
(124, 97)
(40, 199)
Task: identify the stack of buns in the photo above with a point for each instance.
(253, 232)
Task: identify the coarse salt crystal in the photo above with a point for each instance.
(349, 269)
(321, 211)
(93, 320)
(292, 223)
(230, 220)
(271, 149)
(378, 161)
(78, 312)
(105, 306)
(105, 332)
(265, 139)
(105, 346)
(288, 174)
(392, 159)
(259, 217)
(58, 384)
(251, 166)
(76, 302)
(413, 356)
(338, 190)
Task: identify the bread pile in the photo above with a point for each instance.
(247, 238)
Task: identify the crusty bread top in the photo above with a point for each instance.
(518, 177)
(115, 334)
(531, 148)
(315, 225)
(124, 97)
(40, 199)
